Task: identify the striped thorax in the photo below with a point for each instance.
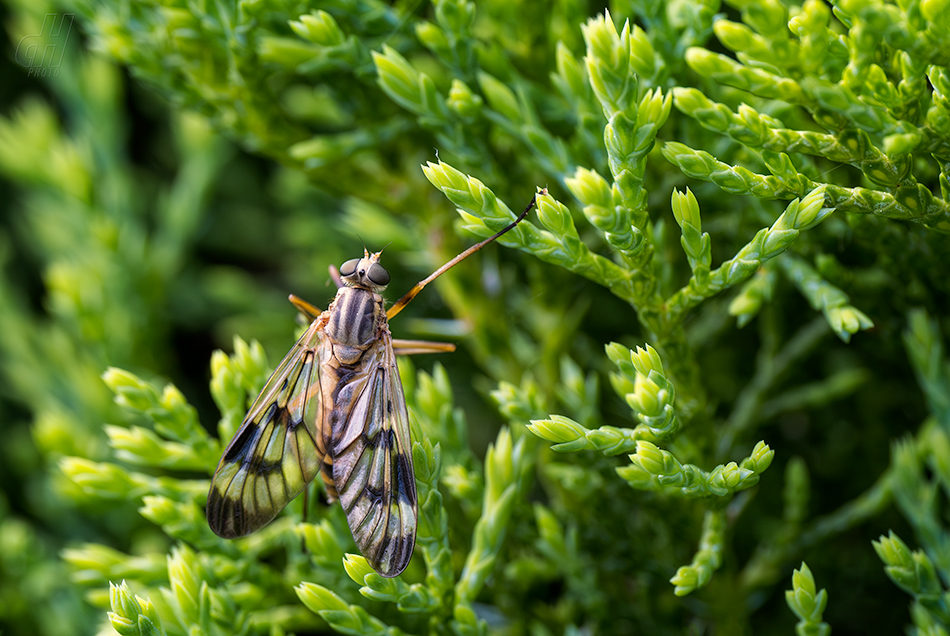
(356, 314)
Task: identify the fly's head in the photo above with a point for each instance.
(365, 273)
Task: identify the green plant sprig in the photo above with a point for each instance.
(707, 559)
(484, 215)
(433, 532)
(340, 615)
(844, 319)
(131, 614)
(645, 387)
(652, 468)
(570, 437)
(758, 130)
(807, 604)
(506, 466)
(914, 573)
(633, 120)
(767, 243)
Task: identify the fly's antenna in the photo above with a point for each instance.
(412, 293)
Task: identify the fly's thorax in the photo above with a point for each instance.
(353, 322)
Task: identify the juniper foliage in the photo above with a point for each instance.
(719, 354)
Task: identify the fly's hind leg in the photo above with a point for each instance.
(414, 347)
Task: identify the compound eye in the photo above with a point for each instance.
(378, 275)
(349, 268)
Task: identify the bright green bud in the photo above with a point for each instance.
(753, 295)
(893, 551)
(938, 13)
(445, 177)
(654, 108)
(462, 100)
(225, 389)
(603, 41)
(760, 459)
(122, 625)
(320, 28)
(184, 580)
(637, 476)
(432, 36)
(571, 71)
(318, 598)
(807, 604)
(686, 209)
(455, 15)
(590, 188)
(219, 362)
(608, 63)
(132, 615)
(734, 36)
(647, 397)
(726, 71)
(803, 580)
(646, 360)
(321, 541)
(500, 97)
(122, 600)
(98, 479)
(811, 211)
(654, 460)
(159, 510)
(643, 57)
(621, 356)
(555, 216)
(756, 132)
(731, 475)
(357, 567)
(902, 144)
(847, 320)
(463, 483)
(427, 460)
(397, 77)
(611, 440)
(130, 391)
(692, 102)
(549, 530)
(813, 16)
(499, 465)
(686, 578)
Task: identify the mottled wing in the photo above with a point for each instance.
(279, 447)
(372, 461)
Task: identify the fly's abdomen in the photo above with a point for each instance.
(352, 324)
